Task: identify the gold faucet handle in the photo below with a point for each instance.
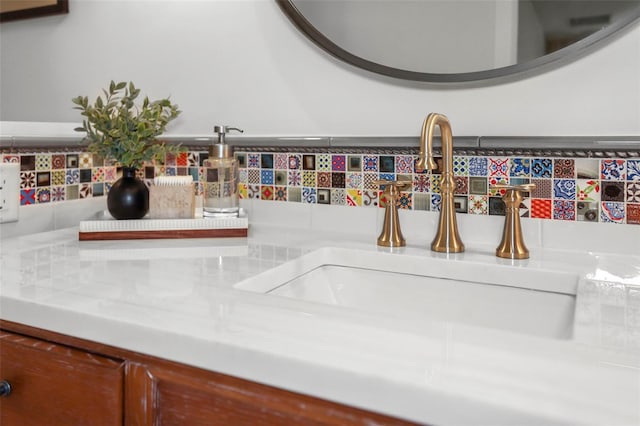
(391, 235)
(512, 244)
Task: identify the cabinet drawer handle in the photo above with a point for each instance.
(5, 388)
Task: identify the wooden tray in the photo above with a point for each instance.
(111, 229)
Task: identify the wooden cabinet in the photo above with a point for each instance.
(61, 380)
(53, 384)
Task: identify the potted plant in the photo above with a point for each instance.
(119, 130)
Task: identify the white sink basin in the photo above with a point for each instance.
(505, 297)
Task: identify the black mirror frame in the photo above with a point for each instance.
(546, 62)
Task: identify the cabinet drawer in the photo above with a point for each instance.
(56, 385)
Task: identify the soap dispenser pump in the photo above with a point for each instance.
(221, 177)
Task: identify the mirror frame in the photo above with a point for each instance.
(556, 58)
(55, 8)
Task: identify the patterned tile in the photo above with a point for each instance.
(294, 178)
(496, 206)
(387, 164)
(612, 212)
(612, 169)
(242, 191)
(72, 176)
(43, 161)
(434, 183)
(354, 163)
(461, 203)
(541, 167)
(294, 195)
(72, 192)
(323, 180)
(253, 191)
(370, 198)
(58, 177)
(27, 196)
(478, 166)
(405, 201)
(633, 169)
(495, 181)
(633, 213)
(27, 180)
(193, 160)
(564, 168)
(309, 195)
(520, 167)
(436, 202)
(182, 160)
(253, 176)
(266, 161)
(387, 176)
(421, 202)
(295, 161)
(57, 161)
(404, 164)
(309, 162)
(478, 186)
(11, 158)
(85, 190)
(170, 159)
(324, 196)
(323, 163)
(564, 189)
(421, 183)
(339, 197)
(587, 168)
(498, 167)
(612, 191)
(370, 163)
(587, 211)
(27, 162)
(462, 185)
(85, 160)
(369, 181)
(338, 180)
(587, 190)
(253, 161)
(280, 177)
(266, 177)
(43, 178)
(541, 208)
(354, 197)
(633, 192)
(97, 175)
(338, 163)
(564, 210)
(353, 180)
(57, 193)
(542, 189)
(266, 192)
(478, 204)
(280, 161)
(460, 166)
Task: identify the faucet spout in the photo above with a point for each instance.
(447, 239)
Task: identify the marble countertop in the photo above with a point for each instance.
(175, 299)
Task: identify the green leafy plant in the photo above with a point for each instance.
(118, 129)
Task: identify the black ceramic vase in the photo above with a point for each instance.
(128, 198)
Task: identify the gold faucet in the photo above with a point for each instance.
(391, 235)
(447, 239)
(512, 244)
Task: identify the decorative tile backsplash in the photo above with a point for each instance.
(582, 189)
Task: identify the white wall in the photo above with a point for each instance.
(242, 63)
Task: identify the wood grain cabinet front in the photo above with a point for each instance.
(52, 384)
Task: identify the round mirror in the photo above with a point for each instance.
(458, 40)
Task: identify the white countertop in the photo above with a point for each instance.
(175, 299)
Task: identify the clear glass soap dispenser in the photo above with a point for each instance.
(221, 178)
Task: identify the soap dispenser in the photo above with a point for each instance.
(221, 178)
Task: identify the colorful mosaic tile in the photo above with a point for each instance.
(309, 195)
(564, 210)
(498, 167)
(309, 162)
(323, 180)
(387, 164)
(370, 198)
(266, 161)
(266, 177)
(587, 211)
(478, 166)
(541, 209)
(633, 213)
(338, 180)
(294, 178)
(294, 195)
(633, 169)
(323, 162)
(339, 197)
(478, 204)
(294, 161)
(587, 190)
(520, 167)
(369, 180)
(370, 163)
(436, 202)
(85, 160)
(266, 192)
(72, 192)
(193, 159)
(633, 192)
(58, 177)
(587, 168)
(354, 163)
(353, 180)
(434, 183)
(338, 163)
(97, 175)
(324, 196)
(612, 191)
(564, 168)
(421, 183)
(57, 193)
(57, 161)
(496, 206)
(612, 212)
(27, 196)
(564, 189)
(27, 180)
(280, 161)
(541, 167)
(460, 167)
(253, 191)
(354, 197)
(542, 189)
(612, 169)
(85, 190)
(404, 164)
(462, 185)
(43, 162)
(405, 201)
(27, 162)
(253, 161)
(502, 180)
(253, 176)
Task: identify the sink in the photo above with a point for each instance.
(507, 297)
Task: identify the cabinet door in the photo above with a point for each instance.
(178, 395)
(55, 385)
